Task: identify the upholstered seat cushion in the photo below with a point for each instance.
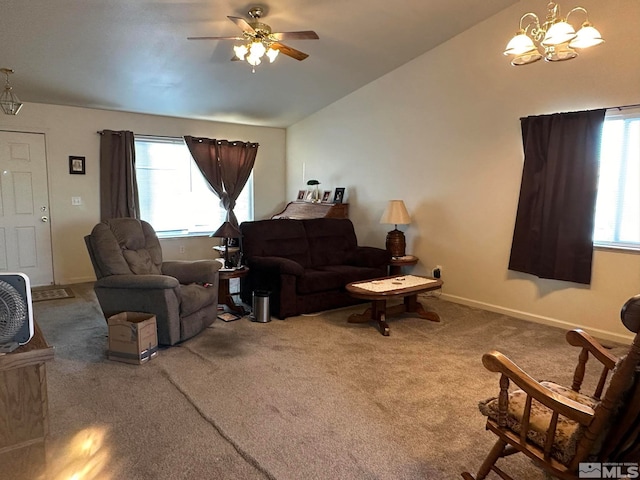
(568, 432)
(195, 297)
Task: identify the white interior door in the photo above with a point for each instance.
(25, 234)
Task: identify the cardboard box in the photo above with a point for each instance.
(133, 337)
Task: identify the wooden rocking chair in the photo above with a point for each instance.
(561, 429)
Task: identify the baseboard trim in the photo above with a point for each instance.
(596, 332)
(73, 280)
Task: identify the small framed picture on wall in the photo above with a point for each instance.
(77, 165)
(338, 196)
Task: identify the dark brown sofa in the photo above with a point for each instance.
(305, 264)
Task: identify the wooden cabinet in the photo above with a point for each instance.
(24, 422)
(303, 210)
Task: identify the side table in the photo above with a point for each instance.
(224, 291)
(396, 263)
(24, 416)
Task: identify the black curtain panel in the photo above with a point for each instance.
(118, 185)
(226, 165)
(553, 234)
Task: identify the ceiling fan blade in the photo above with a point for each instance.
(305, 35)
(243, 24)
(290, 52)
(215, 38)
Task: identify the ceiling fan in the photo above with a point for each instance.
(260, 40)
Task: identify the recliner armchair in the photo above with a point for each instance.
(131, 276)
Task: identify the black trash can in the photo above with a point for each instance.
(261, 306)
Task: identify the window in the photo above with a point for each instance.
(174, 196)
(617, 222)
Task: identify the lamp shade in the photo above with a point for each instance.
(587, 37)
(558, 33)
(396, 213)
(227, 230)
(520, 44)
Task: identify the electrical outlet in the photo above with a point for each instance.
(181, 248)
(437, 271)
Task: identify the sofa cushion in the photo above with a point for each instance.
(314, 281)
(276, 238)
(333, 277)
(350, 273)
(332, 241)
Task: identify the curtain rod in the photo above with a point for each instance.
(619, 107)
(101, 132)
(624, 107)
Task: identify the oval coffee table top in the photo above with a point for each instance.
(394, 286)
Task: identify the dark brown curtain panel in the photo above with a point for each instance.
(226, 165)
(118, 185)
(553, 234)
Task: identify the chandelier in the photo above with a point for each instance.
(254, 51)
(9, 101)
(555, 39)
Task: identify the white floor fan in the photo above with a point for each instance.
(16, 313)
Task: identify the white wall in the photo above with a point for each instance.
(72, 131)
(443, 133)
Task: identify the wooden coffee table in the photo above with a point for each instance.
(405, 286)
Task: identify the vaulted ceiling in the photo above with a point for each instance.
(133, 55)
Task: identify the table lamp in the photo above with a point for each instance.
(396, 214)
(226, 231)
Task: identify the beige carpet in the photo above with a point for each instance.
(311, 397)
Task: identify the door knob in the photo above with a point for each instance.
(45, 219)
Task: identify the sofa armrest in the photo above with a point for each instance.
(369, 257)
(282, 265)
(198, 271)
(138, 281)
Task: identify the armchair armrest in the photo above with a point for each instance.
(131, 281)
(497, 362)
(198, 271)
(370, 257)
(580, 338)
(282, 265)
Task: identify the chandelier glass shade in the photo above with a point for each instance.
(254, 51)
(555, 39)
(9, 101)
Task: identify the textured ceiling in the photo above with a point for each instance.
(133, 55)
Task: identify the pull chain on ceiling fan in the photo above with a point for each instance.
(259, 40)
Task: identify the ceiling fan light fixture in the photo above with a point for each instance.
(257, 49)
(240, 51)
(272, 53)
